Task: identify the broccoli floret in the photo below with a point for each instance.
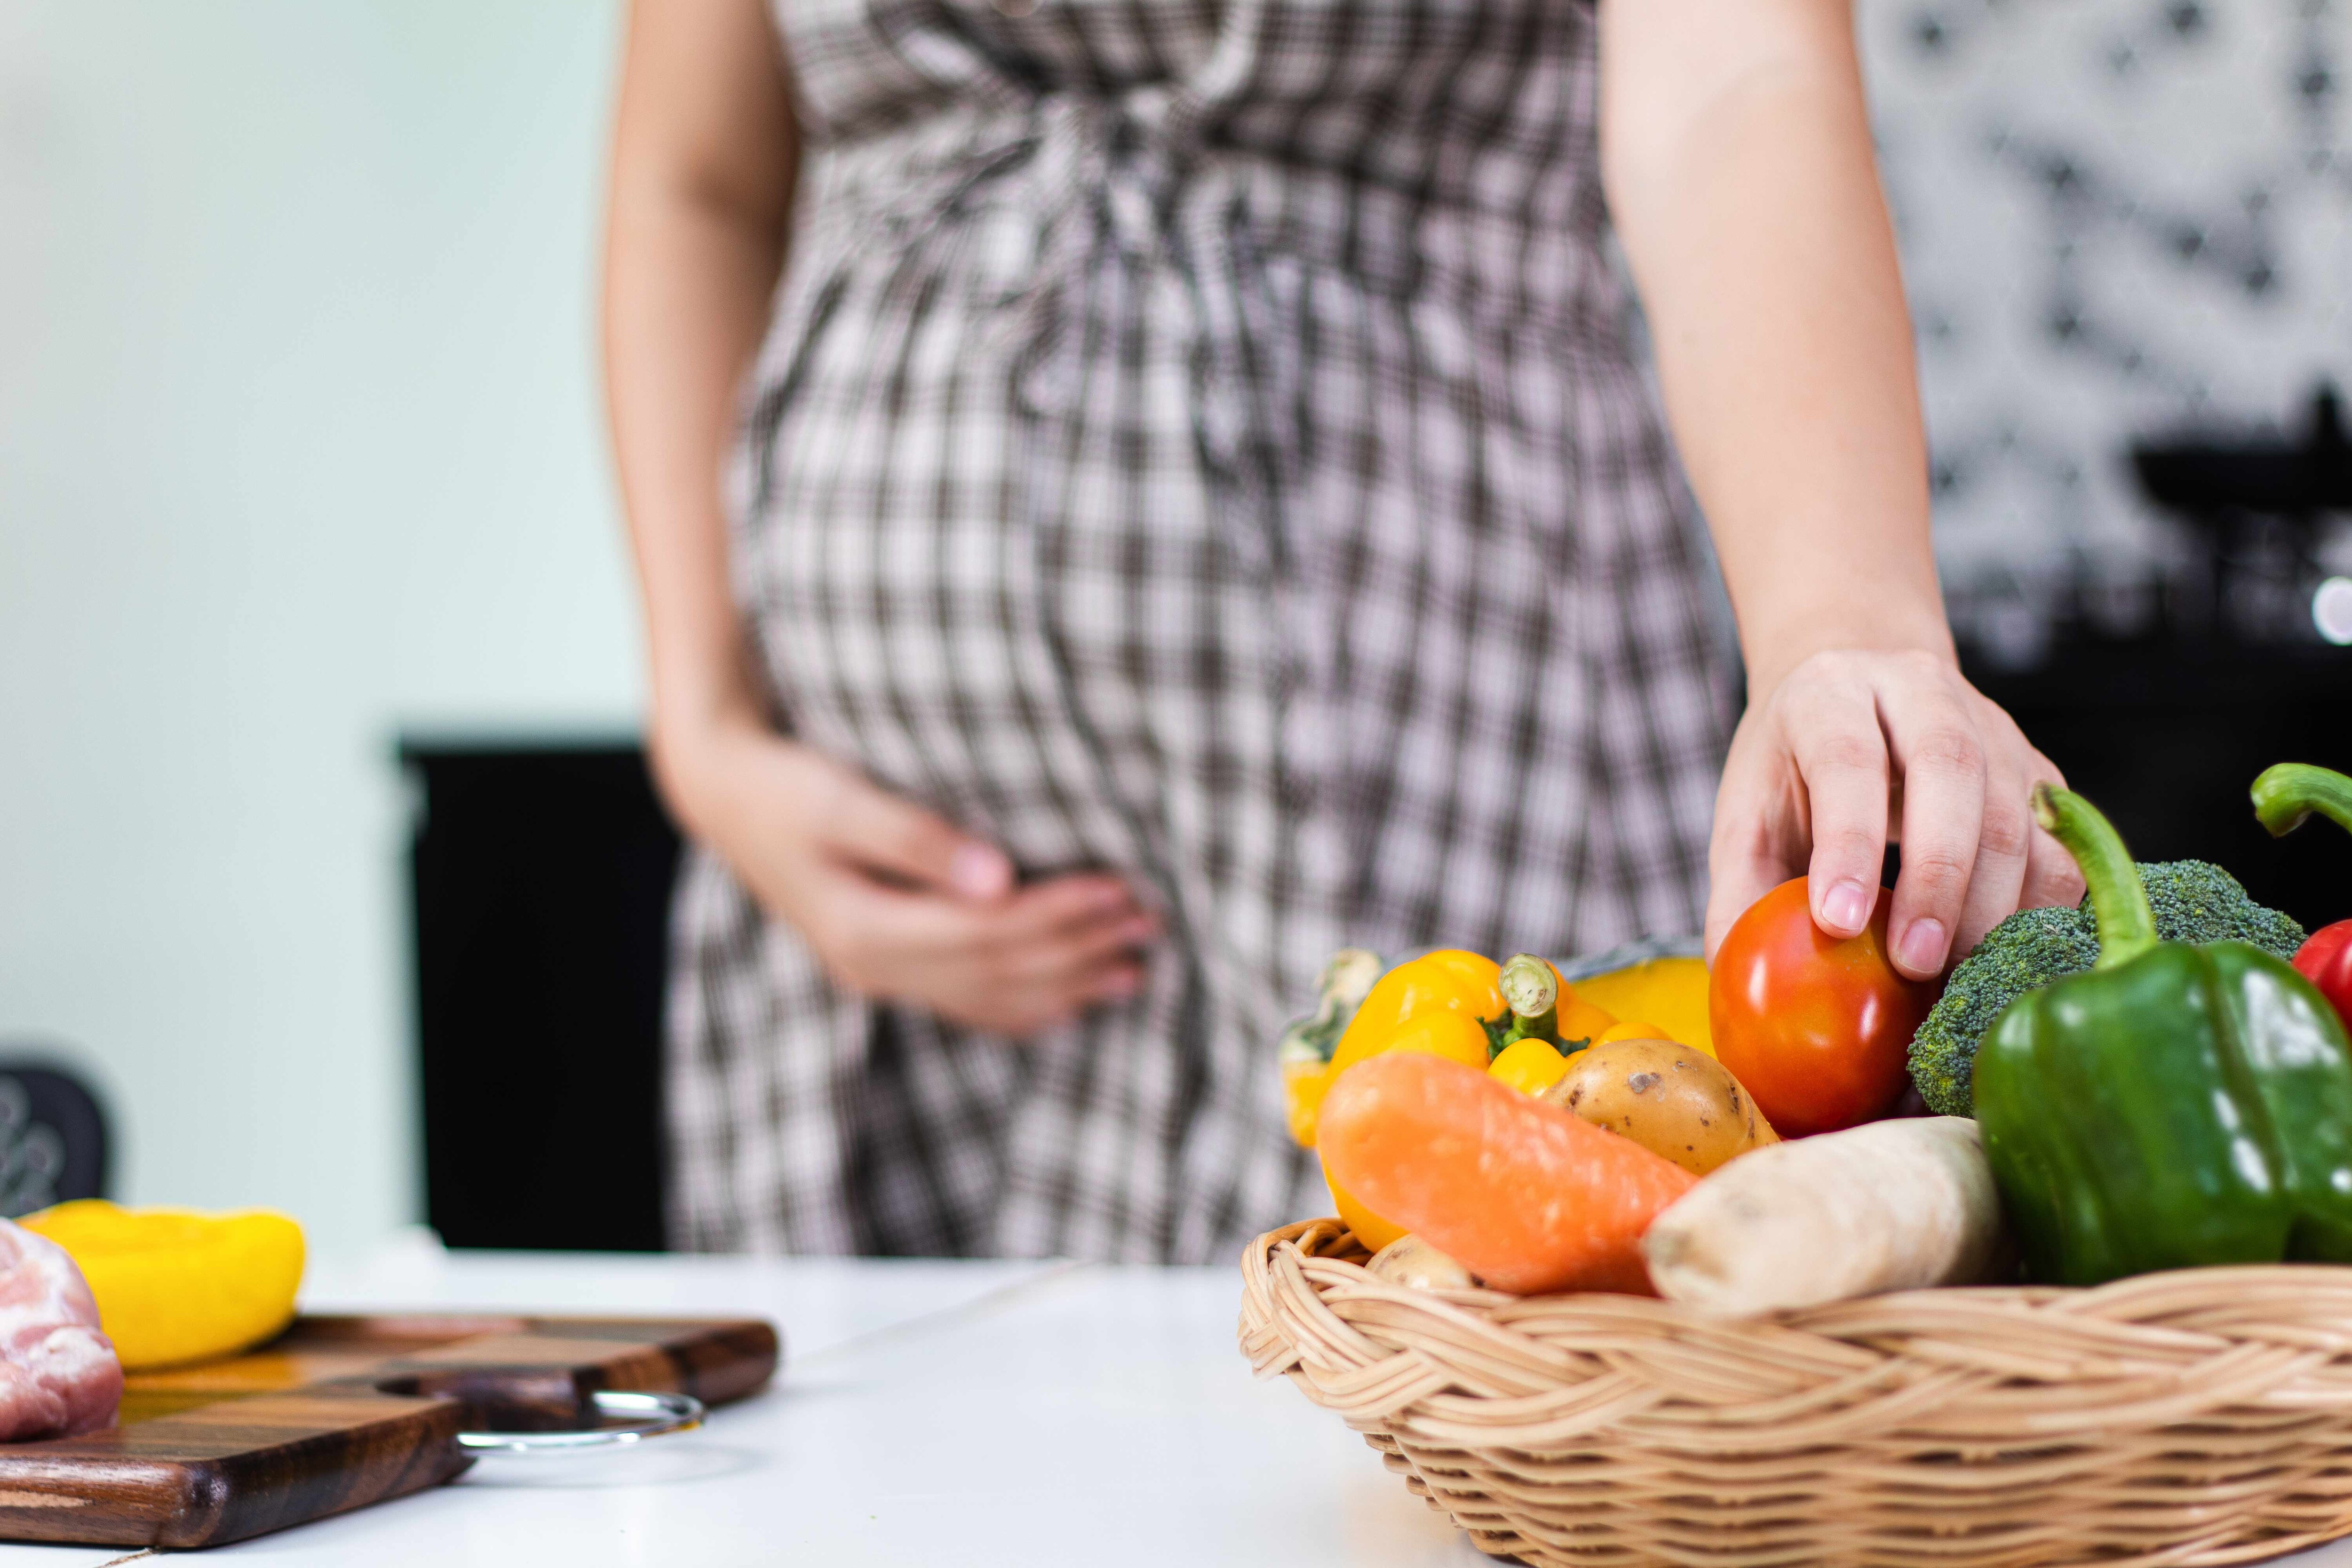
(2195, 901)
(2030, 949)
(2192, 902)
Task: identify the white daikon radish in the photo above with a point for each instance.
(1892, 1205)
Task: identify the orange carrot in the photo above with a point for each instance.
(1523, 1195)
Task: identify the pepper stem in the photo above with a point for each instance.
(1532, 990)
(2288, 793)
(2118, 903)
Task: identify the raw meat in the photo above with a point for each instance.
(59, 1376)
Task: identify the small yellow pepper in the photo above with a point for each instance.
(1529, 1066)
(1580, 1020)
(1302, 1083)
(1307, 1045)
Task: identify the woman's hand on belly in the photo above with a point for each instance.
(899, 905)
(1855, 748)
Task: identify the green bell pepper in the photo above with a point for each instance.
(2175, 1105)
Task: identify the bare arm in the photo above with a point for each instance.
(1736, 146)
(1739, 169)
(704, 157)
(897, 903)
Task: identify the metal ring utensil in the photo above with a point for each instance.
(658, 1414)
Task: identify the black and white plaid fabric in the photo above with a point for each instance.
(1198, 439)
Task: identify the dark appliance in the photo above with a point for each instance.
(541, 876)
(2166, 731)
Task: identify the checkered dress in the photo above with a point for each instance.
(1198, 439)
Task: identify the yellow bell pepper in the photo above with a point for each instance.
(1668, 991)
(1440, 1004)
(1449, 981)
(1370, 1229)
(1459, 984)
(173, 1285)
(1631, 1029)
(1455, 1035)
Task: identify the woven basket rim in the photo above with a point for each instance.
(2185, 1419)
(1327, 1242)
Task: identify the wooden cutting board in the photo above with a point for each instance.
(338, 1413)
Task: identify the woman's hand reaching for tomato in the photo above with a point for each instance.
(1854, 750)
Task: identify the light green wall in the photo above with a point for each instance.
(298, 444)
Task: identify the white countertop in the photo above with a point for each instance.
(1014, 1413)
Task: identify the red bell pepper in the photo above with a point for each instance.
(2284, 798)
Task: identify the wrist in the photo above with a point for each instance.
(700, 758)
(1771, 659)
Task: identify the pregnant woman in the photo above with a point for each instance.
(1133, 495)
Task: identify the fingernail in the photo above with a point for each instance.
(1122, 989)
(1845, 908)
(1921, 949)
(979, 872)
(1143, 927)
(1109, 896)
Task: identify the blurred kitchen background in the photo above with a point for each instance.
(325, 854)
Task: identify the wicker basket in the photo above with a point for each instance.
(2201, 1416)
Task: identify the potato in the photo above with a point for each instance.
(1409, 1260)
(1672, 1099)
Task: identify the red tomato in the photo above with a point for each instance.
(1818, 1029)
